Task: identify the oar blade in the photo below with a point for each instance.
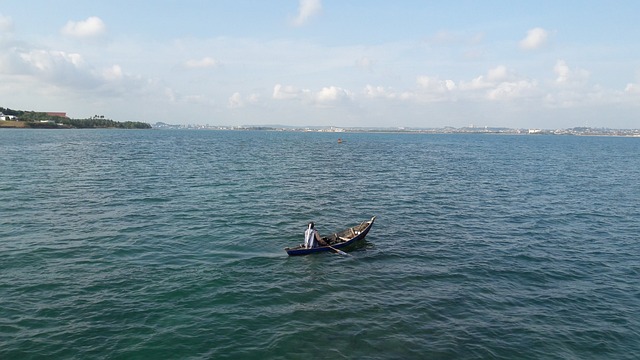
(339, 251)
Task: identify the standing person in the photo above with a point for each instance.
(311, 237)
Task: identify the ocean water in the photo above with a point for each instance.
(125, 244)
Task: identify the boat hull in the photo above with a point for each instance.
(338, 240)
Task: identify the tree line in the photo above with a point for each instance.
(35, 119)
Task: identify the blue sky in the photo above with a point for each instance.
(534, 64)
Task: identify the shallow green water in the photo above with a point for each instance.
(168, 244)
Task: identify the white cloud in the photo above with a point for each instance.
(566, 75)
(306, 10)
(498, 84)
(6, 23)
(535, 39)
(332, 94)
(52, 64)
(67, 73)
(364, 63)
(325, 96)
(371, 91)
(235, 101)
(446, 38)
(561, 69)
(436, 85)
(206, 62)
(499, 73)
(571, 89)
(492, 79)
(511, 89)
(479, 83)
(113, 73)
(632, 88)
(285, 92)
(254, 98)
(90, 28)
(170, 95)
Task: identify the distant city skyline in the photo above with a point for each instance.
(358, 63)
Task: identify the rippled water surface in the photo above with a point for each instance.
(169, 244)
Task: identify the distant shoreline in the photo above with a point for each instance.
(576, 131)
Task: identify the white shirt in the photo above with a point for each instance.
(310, 238)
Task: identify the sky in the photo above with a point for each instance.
(344, 63)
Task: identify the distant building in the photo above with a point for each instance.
(4, 117)
(60, 114)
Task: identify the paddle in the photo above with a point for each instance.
(325, 242)
(338, 251)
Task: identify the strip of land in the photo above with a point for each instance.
(10, 118)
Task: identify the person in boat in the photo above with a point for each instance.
(312, 237)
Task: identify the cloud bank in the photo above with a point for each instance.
(420, 80)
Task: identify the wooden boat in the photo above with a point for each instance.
(336, 241)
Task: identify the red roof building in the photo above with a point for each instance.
(60, 114)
